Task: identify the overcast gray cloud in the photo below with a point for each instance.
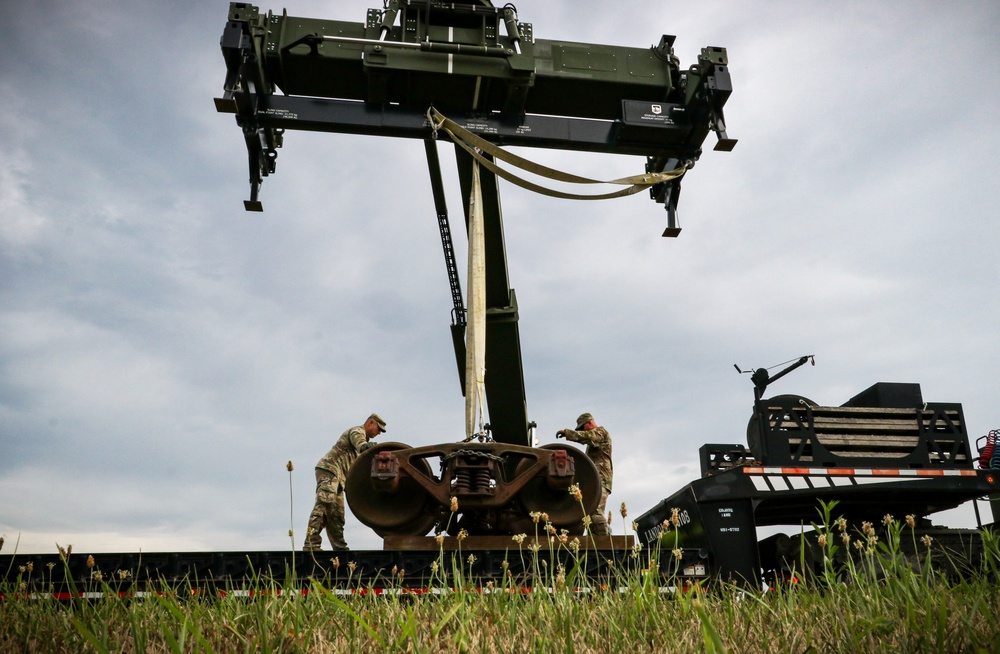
(163, 353)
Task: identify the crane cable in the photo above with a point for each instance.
(479, 147)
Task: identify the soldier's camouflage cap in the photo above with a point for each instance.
(583, 419)
(378, 420)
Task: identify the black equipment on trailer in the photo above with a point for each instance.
(885, 452)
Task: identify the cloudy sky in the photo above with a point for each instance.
(163, 353)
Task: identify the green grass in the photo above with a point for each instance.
(870, 617)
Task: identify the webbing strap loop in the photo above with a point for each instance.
(477, 146)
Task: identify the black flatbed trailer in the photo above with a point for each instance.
(407, 564)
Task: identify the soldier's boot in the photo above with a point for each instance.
(599, 526)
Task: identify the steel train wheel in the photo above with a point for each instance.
(406, 512)
(418, 527)
(563, 509)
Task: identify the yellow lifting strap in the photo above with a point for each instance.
(476, 146)
(475, 335)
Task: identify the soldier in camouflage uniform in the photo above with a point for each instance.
(598, 442)
(331, 476)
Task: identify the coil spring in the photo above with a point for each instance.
(990, 456)
(482, 480)
(462, 480)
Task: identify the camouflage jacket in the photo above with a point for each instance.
(340, 457)
(598, 442)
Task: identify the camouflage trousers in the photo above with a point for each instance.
(327, 514)
(598, 521)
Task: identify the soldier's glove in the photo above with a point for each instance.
(366, 446)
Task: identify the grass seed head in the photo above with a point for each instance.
(911, 521)
(289, 466)
(519, 538)
(454, 504)
(675, 516)
(90, 560)
(887, 519)
(624, 510)
(926, 539)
